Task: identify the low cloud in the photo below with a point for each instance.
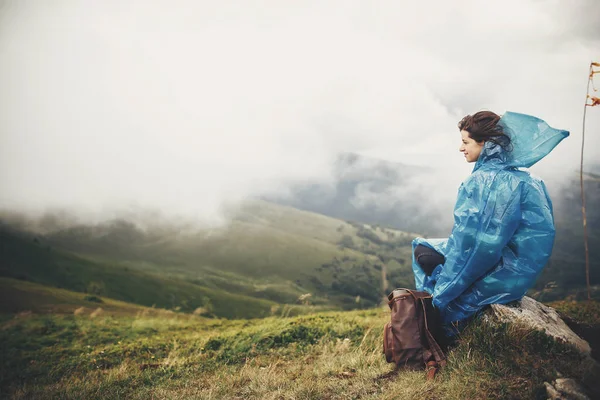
(125, 105)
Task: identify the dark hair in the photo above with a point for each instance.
(483, 126)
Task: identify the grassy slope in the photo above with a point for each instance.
(26, 260)
(334, 355)
(272, 254)
(18, 296)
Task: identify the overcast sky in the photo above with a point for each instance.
(178, 105)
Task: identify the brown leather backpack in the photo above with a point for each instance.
(408, 339)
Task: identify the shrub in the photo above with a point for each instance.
(93, 298)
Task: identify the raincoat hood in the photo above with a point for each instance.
(503, 230)
(531, 139)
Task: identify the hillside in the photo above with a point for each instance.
(267, 256)
(333, 355)
(30, 260)
(18, 296)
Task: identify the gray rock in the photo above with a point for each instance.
(552, 393)
(565, 389)
(538, 316)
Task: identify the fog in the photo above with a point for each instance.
(180, 107)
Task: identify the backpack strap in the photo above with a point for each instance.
(431, 368)
(436, 350)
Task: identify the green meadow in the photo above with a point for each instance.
(276, 304)
(326, 355)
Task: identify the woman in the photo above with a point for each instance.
(503, 224)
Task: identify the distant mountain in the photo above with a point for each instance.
(373, 191)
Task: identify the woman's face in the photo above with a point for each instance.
(469, 147)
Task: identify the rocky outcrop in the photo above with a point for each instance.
(535, 315)
(540, 317)
(565, 389)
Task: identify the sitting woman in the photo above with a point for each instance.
(503, 224)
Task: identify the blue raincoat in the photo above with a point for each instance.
(503, 229)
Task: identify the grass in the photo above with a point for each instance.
(18, 296)
(587, 312)
(329, 355)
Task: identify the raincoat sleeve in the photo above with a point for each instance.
(422, 281)
(487, 213)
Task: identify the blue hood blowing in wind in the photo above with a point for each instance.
(503, 229)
